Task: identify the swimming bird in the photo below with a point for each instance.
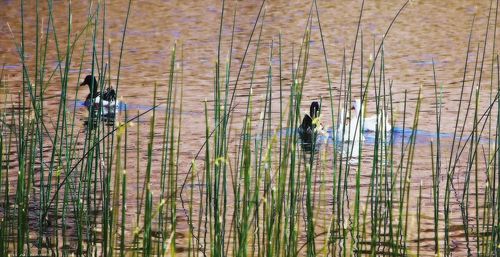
(311, 131)
(370, 123)
(380, 120)
(104, 101)
(349, 125)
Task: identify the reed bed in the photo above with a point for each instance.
(251, 189)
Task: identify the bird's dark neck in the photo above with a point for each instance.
(93, 90)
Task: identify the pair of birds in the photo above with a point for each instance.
(349, 126)
(104, 101)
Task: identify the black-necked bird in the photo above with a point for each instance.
(311, 131)
(104, 101)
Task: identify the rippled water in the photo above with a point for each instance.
(427, 33)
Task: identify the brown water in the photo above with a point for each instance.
(426, 31)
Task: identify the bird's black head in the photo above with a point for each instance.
(314, 110)
(91, 81)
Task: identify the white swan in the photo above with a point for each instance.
(370, 123)
(349, 126)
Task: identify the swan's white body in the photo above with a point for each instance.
(349, 126)
(370, 123)
(355, 126)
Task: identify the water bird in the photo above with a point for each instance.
(311, 131)
(380, 119)
(349, 125)
(104, 101)
(370, 123)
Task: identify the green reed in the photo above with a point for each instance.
(254, 191)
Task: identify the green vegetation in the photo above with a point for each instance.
(250, 190)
